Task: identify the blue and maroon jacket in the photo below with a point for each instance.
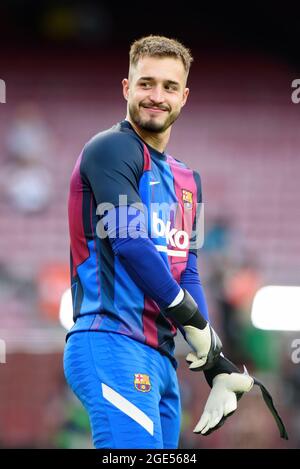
(105, 297)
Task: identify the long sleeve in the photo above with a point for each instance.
(141, 259)
(190, 280)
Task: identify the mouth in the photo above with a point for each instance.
(154, 110)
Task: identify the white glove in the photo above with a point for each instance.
(222, 400)
(206, 345)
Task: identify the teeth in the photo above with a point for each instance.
(155, 108)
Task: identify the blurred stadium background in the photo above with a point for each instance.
(62, 63)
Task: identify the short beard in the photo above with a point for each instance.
(149, 125)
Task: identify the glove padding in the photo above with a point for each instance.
(197, 332)
(206, 345)
(222, 400)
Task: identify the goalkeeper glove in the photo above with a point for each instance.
(228, 385)
(222, 400)
(197, 332)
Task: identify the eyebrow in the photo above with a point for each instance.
(170, 82)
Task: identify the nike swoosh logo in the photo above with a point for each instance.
(154, 182)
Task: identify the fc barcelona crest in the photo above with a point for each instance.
(187, 198)
(142, 382)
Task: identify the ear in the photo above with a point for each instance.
(125, 84)
(185, 96)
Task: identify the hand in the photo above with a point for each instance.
(206, 345)
(227, 386)
(197, 332)
(222, 400)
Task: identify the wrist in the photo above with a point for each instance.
(236, 382)
(178, 299)
(186, 312)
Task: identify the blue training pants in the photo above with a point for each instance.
(129, 390)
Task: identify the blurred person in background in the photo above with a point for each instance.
(25, 179)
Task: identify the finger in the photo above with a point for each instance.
(191, 357)
(217, 415)
(197, 364)
(211, 417)
(202, 422)
(206, 428)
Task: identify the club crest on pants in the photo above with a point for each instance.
(142, 382)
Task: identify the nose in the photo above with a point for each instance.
(157, 95)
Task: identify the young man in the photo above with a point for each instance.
(133, 213)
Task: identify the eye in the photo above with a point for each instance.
(145, 84)
(170, 87)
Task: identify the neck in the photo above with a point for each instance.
(158, 141)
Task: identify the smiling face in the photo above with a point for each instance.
(156, 91)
